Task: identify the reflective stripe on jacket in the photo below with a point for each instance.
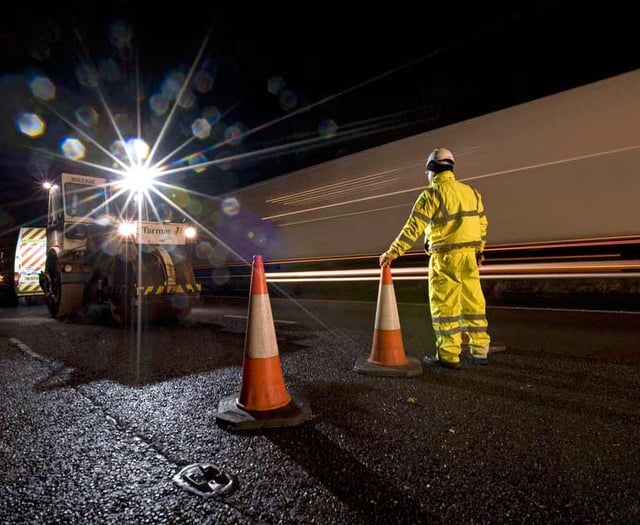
(451, 215)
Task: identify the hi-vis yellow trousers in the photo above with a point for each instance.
(457, 304)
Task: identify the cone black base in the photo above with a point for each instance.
(411, 369)
(233, 417)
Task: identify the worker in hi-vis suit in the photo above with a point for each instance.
(452, 217)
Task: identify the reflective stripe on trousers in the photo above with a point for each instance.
(457, 304)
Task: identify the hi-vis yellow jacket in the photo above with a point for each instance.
(451, 215)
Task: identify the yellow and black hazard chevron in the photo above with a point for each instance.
(30, 286)
(31, 255)
(169, 289)
(33, 234)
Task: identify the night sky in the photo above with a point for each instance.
(283, 85)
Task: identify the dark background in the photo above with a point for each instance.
(368, 73)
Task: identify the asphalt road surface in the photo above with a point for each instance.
(95, 421)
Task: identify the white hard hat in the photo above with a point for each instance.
(442, 157)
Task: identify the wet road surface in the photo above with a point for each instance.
(95, 421)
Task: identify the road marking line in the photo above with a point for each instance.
(16, 343)
(585, 310)
(26, 320)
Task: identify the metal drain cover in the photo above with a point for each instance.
(205, 480)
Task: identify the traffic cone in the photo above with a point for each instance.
(263, 400)
(387, 357)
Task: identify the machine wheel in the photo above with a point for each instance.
(122, 301)
(123, 308)
(185, 275)
(52, 287)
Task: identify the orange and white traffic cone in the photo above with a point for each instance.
(263, 400)
(387, 357)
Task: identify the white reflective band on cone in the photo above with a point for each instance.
(387, 312)
(261, 335)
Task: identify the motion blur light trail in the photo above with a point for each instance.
(493, 271)
(365, 183)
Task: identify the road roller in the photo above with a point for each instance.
(118, 249)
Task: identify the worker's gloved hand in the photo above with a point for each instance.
(479, 258)
(385, 258)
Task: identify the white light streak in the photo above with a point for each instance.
(420, 188)
(491, 271)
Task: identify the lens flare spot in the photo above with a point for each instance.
(179, 301)
(201, 128)
(194, 207)
(223, 161)
(172, 85)
(275, 85)
(72, 148)
(180, 198)
(327, 128)
(220, 255)
(87, 75)
(260, 238)
(111, 245)
(220, 276)
(230, 206)
(288, 100)
(124, 124)
(138, 150)
(30, 124)
(204, 251)
(203, 81)
(105, 220)
(109, 70)
(234, 134)
(118, 150)
(87, 116)
(212, 114)
(120, 34)
(196, 161)
(42, 88)
(159, 104)
(41, 51)
(186, 100)
(136, 91)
